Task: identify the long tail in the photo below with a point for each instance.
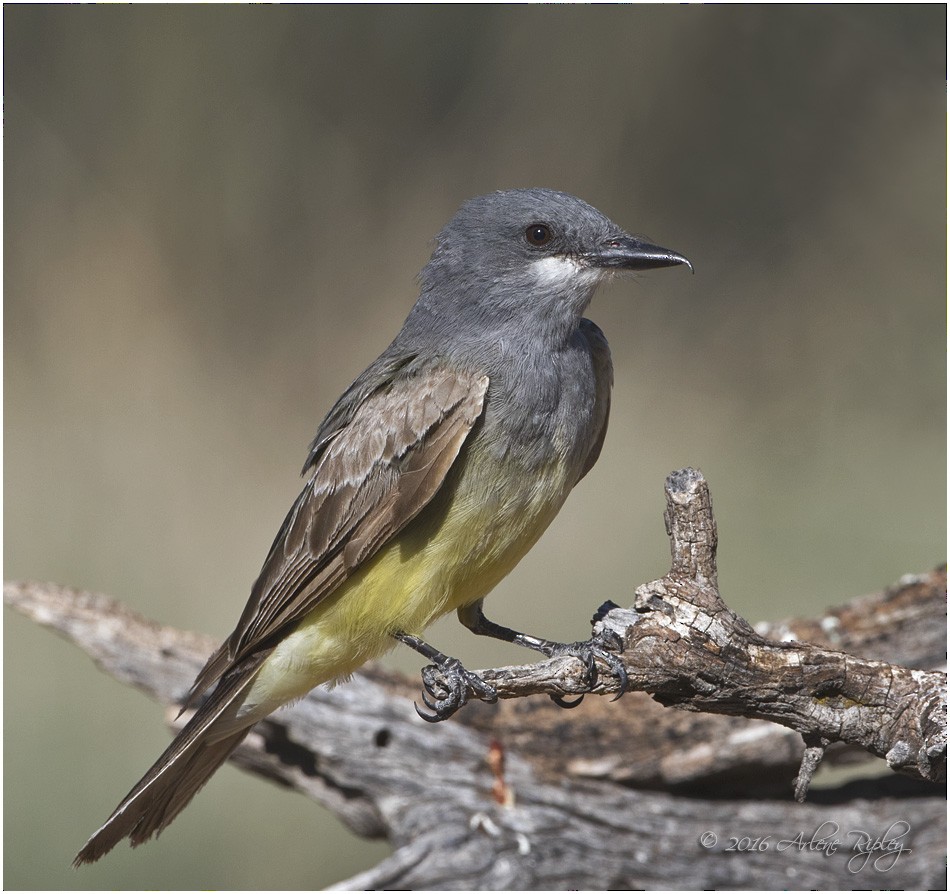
(184, 767)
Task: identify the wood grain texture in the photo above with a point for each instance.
(613, 795)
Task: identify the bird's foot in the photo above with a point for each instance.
(599, 647)
(447, 686)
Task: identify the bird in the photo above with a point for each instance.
(428, 480)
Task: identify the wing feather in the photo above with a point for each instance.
(373, 466)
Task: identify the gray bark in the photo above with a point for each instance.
(523, 795)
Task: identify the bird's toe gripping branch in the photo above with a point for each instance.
(446, 684)
(597, 648)
(603, 646)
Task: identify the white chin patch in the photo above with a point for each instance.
(564, 272)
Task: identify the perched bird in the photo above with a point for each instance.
(428, 480)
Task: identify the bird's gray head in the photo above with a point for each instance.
(527, 256)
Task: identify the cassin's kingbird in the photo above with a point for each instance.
(430, 478)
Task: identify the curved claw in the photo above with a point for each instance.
(562, 702)
(446, 687)
(435, 717)
(588, 653)
(619, 671)
(428, 702)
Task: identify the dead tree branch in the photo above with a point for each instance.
(524, 795)
(685, 646)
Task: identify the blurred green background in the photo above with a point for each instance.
(213, 220)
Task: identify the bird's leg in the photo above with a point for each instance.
(446, 684)
(588, 652)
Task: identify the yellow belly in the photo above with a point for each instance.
(452, 554)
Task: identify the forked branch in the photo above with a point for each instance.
(686, 647)
(434, 791)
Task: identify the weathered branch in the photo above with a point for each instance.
(555, 816)
(685, 646)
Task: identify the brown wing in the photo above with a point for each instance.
(368, 478)
(381, 455)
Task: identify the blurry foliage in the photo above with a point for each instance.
(213, 217)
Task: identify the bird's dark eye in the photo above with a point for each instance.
(538, 234)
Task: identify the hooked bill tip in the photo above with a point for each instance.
(634, 253)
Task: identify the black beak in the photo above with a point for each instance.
(632, 253)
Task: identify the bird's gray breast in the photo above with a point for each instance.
(549, 406)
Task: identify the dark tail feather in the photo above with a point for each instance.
(184, 767)
(141, 816)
